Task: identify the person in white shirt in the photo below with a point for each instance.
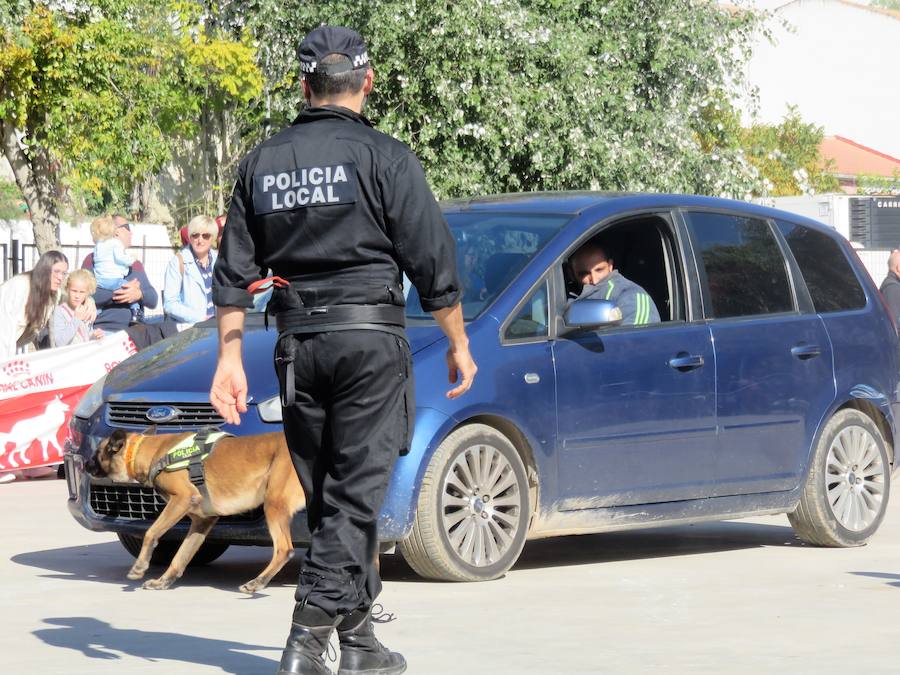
(27, 302)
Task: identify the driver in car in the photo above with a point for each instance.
(592, 266)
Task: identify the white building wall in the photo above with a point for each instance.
(839, 66)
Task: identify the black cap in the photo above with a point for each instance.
(327, 40)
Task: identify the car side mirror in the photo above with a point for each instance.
(590, 315)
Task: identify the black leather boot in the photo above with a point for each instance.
(311, 629)
(361, 652)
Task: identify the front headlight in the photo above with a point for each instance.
(92, 399)
(270, 409)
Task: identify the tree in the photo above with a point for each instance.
(886, 4)
(95, 98)
(787, 157)
(505, 95)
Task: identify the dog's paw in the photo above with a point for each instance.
(252, 587)
(160, 584)
(135, 573)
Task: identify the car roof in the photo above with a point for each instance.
(575, 202)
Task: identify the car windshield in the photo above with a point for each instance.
(491, 249)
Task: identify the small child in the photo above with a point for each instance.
(111, 261)
(70, 323)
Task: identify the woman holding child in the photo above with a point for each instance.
(27, 302)
(187, 295)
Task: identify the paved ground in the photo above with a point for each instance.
(734, 597)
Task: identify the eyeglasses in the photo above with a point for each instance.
(206, 235)
(127, 226)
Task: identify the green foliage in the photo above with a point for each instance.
(12, 207)
(886, 4)
(109, 88)
(787, 157)
(878, 185)
(505, 95)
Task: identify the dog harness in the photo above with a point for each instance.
(190, 454)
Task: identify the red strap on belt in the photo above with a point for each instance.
(266, 284)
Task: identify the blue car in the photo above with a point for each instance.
(768, 385)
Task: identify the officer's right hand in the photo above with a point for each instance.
(228, 393)
(462, 368)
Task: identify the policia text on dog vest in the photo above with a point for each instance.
(340, 211)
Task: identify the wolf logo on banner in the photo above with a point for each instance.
(42, 428)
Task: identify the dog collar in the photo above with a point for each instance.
(131, 454)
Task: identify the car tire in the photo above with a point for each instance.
(165, 550)
(848, 484)
(458, 535)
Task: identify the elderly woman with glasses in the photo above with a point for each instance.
(187, 294)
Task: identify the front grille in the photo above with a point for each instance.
(190, 415)
(136, 502)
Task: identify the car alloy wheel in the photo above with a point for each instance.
(844, 498)
(482, 505)
(474, 508)
(855, 478)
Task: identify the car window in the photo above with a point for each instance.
(829, 277)
(746, 274)
(647, 280)
(532, 319)
(491, 249)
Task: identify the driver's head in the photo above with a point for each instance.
(590, 264)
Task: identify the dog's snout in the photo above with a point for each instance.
(92, 466)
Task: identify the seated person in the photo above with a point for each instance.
(187, 295)
(115, 305)
(72, 319)
(111, 260)
(594, 268)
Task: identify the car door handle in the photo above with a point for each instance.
(804, 351)
(685, 362)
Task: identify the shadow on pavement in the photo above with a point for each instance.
(108, 562)
(711, 537)
(893, 579)
(99, 640)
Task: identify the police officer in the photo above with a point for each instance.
(337, 209)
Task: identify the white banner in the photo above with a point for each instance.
(39, 392)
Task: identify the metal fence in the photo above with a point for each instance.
(20, 257)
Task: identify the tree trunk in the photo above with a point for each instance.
(221, 159)
(35, 177)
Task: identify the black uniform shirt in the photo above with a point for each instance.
(337, 208)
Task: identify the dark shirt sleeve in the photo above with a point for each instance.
(891, 294)
(150, 295)
(103, 297)
(236, 267)
(422, 239)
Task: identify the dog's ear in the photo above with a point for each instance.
(116, 442)
(150, 431)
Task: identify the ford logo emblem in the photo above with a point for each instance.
(162, 413)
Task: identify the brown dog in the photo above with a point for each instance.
(240, 474)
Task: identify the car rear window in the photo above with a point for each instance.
(828, 274)
(745, 271)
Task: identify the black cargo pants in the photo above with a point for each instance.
(350, 418)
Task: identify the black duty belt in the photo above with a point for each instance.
(387, 318)
(384, 318)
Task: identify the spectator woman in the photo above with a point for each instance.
(187, 294)
(71, 323)
(27, 302)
